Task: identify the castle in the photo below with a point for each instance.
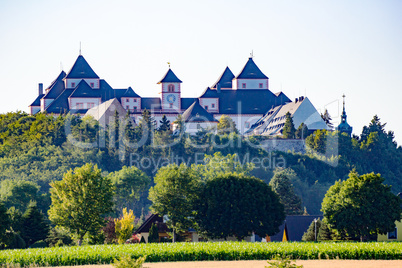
(246, 98)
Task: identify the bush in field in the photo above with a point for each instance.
(128, 262)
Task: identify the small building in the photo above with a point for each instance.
(293, 228)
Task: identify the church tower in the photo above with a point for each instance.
(344, 126)
(170, 95)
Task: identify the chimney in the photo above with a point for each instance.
(40, 88)
(296, 99)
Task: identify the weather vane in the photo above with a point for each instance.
(168, 64)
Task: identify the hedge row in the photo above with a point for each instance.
(164, 252)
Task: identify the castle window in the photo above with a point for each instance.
(135, 100)
(170, 105)
(92, 85)
(260, 85)
(80, 106)
(170, 88)
(127, 107)
(91, 105)
(213, 105)
(243, 85)
(72, 84)
(135, 108)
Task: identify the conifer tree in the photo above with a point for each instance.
(164, 124)
(324, 233)
(312, 232)
(35, 227)
(5, 223)
(153, 234)
(327, 119)
(301, 132)
(282, 185)
(288, 131)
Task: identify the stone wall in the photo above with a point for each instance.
(284, 145)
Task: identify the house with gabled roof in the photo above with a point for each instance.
(246, 98)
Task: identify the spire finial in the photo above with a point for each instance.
(168, 64)
(80, 48)
(251, 54)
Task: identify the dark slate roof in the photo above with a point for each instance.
(225, 80)
(251, 71)
(282, 97)
(81, 69)
(83, 90)
(130, 93)
(56, 88)
(296, 226)
(170, 77)
(209, 93)
(186, 102)
(60, 104)
(151, 103)
(37, 100)
(196, 113)
(144, 228)
(247, 101)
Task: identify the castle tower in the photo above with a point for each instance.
(251, 77)
(170, 95)
(344, 126)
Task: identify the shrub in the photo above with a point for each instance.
(39, 244)
(127, 262)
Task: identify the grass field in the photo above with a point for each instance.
(168, 252)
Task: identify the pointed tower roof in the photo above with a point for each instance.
(56, 87)
(130, 93)
(83, 90)
(170, 77)
(81, 69)
(251, 71)
(225, 80)
(195, 113)
(344, 126)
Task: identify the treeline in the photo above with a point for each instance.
(37, 150)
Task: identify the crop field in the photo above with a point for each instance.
(164, 252)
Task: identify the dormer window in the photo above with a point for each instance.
(213, 105)
(243, 85)
(92, 85)
(260, 85)
(72, 84)
(170, 88)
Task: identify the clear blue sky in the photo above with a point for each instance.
(319, 48)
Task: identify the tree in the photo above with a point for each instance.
(327, 119)
(226, 125)
(174, 193)
(312, 232)
(237, 205)
(325, 233)
(361, 205)
(164, 124)
(217, 164)
(153, 234)
(80, 199)
(288, 131)
(301, 131)
(109, 230)
(18, 193)
(5, 224)
(282, 185)
(35, 228)
(129, 183)
(124, 226)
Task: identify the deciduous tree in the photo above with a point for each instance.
(237, 205)
(124, 226)
(361, 205)
(176, 189)
(80, 199)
